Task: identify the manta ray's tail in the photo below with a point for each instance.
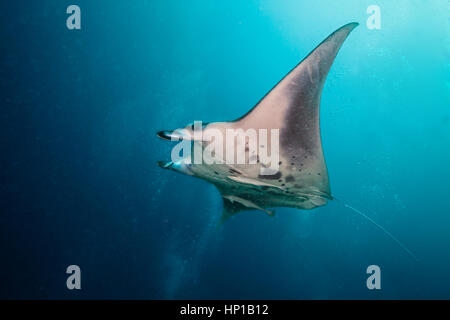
(379, 227)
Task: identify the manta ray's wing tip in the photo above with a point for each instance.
(353, 24)
(348, 27)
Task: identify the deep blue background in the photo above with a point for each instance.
(79, 184)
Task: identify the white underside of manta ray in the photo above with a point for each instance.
(292, 106)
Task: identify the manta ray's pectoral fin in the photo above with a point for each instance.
(292, 107)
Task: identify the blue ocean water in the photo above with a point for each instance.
(80, 185)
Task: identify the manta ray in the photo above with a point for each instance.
(292, 106)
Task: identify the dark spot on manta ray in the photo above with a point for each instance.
(318, 173)
(282, 184)
(292, 164)
(279, 163)
(290, 179)
(216, 172)
(275, 176)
